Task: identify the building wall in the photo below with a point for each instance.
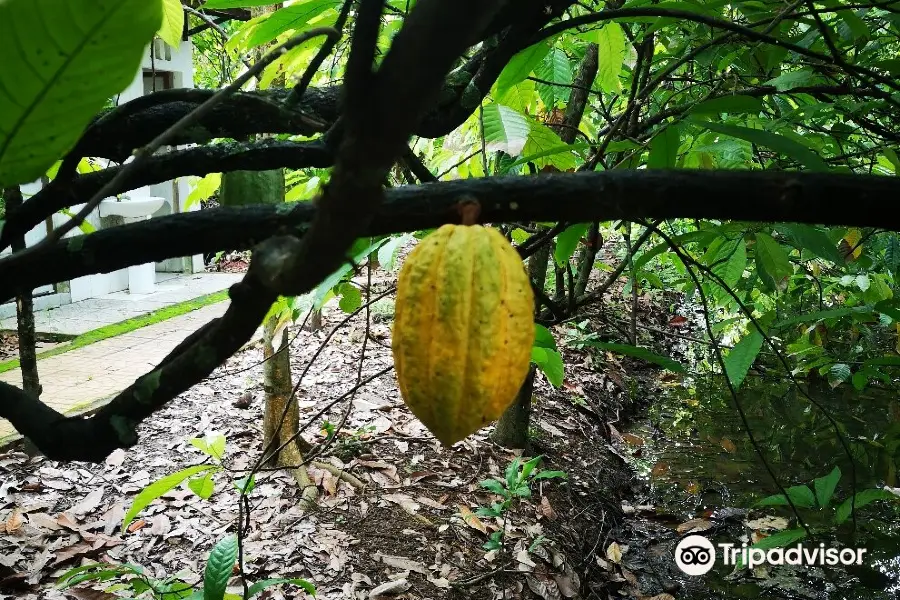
(175, 68)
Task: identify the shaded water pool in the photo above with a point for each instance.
(702, 476)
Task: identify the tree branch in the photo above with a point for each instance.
(817, 198)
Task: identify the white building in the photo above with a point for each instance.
(163, 67)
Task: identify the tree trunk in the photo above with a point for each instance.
(315, 321)
(278, 387)
(511, 430)
(24, 312)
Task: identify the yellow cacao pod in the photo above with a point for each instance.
(463, 329)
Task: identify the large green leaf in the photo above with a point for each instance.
(160, 487)
(779, 143)
(825, 487)
(567, 242)
(173, 23)
(62, 59)
(293, 17)
(664, 148)
(771, 261)
(800, 495)
(541, 146)
(550, 362)
(610, 40)
(728, 104)
(521, 66)
(505, 129)
(740, 358)
(219, 568)
(807, 237)
(862, 498)
(557, 69)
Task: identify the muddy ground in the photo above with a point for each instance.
(411, 529)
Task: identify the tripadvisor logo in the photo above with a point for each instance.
(696, 555)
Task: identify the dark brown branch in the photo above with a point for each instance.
(816, 198)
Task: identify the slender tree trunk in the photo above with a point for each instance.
(24, 312)
(511, 430)
(278, 387)
(315, 320)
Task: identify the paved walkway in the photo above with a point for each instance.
(83, 377)
(171, 289)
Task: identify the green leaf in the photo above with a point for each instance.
(732, 270)
(825, 486)
(550, 475)
(801, 495)
(728, 104)
(160, 487)
(813, 239)
(293, 17)
(543, 338)
(825, 314)
(740, 358)
(245, 485)
(776, 540)
(529, 466)
(494, 486)
(259, 586)
(173, 23)
(610, 40)
(351, 298)
(664, 149)
(542, 146)
(550, 362)
(772, 261)
(387, 254)
(219, 567)
(791, 80)
(557, 69)
(838, 373)
(62, 61)
(203, 486)
(505, 129)
(779, 143)
(203, 189)
(862, 498)
(236, 3)
(567, 242)
(211, 445)
(512, 472)
(637, 352)
(520, 66)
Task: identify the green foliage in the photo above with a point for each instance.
(131, 581)
(804, 497)
(515, 485)
(545, 355)
(39, 121)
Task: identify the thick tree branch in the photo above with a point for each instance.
(576, 198)
(216, 158)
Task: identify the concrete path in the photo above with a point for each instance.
(86, 315)
(84, 377)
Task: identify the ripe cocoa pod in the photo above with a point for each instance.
(463, 329)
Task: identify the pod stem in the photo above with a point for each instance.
(469, 210)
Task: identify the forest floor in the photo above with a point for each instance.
(411, 529)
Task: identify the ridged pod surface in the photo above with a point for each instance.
(463, 329)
